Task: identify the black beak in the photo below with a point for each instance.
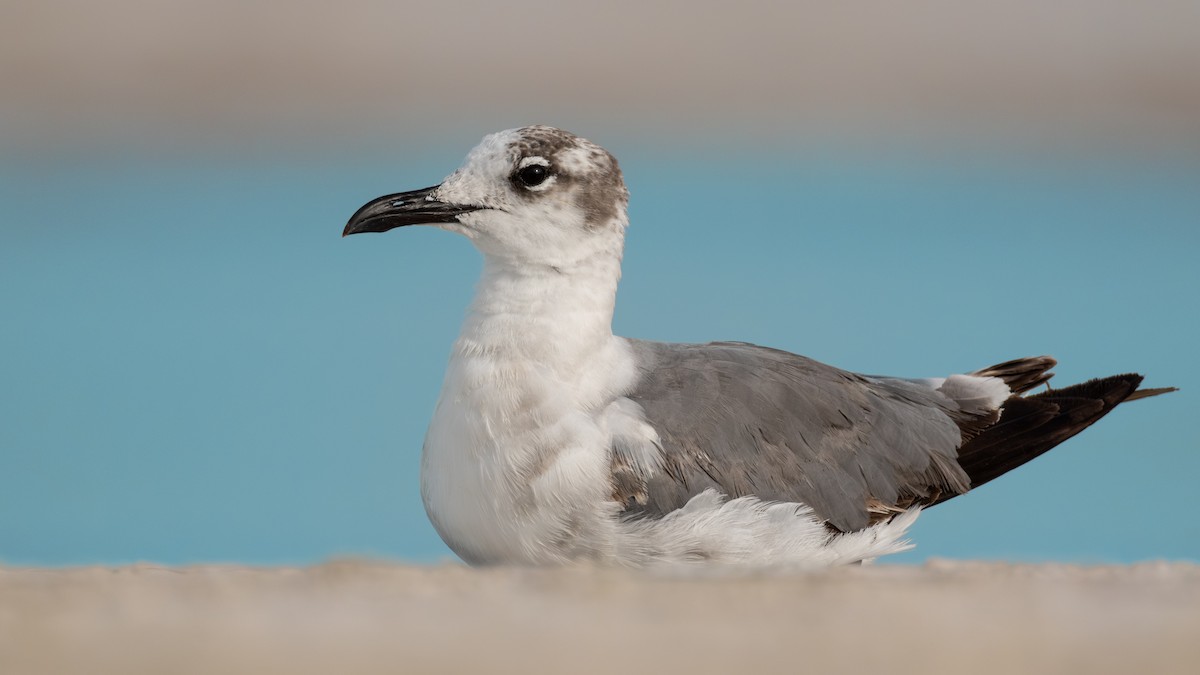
(404, 208)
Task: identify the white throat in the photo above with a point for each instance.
(556, 317)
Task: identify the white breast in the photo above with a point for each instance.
(515, 467)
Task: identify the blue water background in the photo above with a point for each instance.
(195, 367)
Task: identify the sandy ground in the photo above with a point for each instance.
(374, 617)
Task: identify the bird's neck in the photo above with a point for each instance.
(557, 316)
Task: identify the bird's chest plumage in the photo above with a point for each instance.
(511, 471)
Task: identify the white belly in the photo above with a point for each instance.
(514, 474)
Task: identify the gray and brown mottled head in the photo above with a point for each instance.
(534, 195)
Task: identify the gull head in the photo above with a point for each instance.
(535, 195)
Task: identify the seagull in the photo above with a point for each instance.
(555, 441)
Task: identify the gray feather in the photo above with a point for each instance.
(748, 420)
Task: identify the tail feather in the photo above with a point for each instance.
(1031, 425)
(1021, 375)
(1147, 393)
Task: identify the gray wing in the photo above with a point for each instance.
(748, 420)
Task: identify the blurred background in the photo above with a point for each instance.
(195, 367)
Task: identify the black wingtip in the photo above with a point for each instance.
(1030, 426)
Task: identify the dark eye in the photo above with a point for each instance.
(534, 174)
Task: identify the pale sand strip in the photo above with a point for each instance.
(383, 618)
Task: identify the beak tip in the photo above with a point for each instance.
(355, 226)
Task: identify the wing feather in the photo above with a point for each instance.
(749, 420)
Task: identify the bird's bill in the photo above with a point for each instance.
(417, 207)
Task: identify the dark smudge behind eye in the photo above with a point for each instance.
(601, 193)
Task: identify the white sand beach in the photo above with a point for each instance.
(372, 617)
